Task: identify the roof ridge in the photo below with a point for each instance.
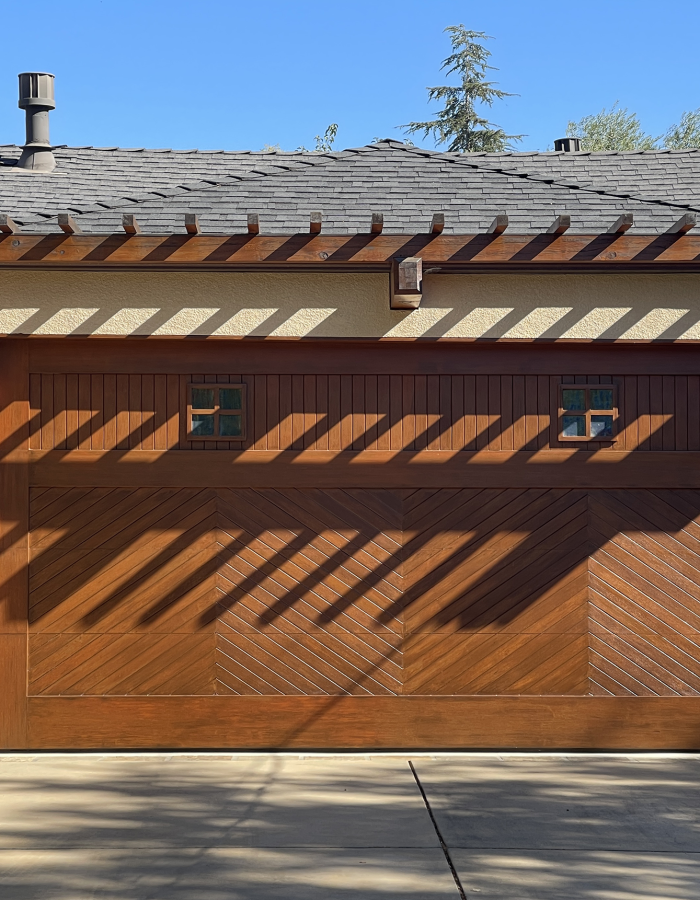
(559, 182)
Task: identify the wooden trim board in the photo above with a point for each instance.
(457, 723)
(368, 468)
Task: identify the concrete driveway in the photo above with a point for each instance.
(321, 827)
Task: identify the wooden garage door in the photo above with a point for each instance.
(359, 592)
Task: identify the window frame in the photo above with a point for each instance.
(215, 411)
(587, 413)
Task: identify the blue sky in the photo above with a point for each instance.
(236, 75)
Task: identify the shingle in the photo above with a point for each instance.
(403, 182)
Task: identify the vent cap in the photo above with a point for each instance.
(567, 145)
(36, 89)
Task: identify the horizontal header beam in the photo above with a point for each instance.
(451, 252)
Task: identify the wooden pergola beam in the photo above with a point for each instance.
(253, 223)
(377, 223)
(622, 224)
(68, 225)
(315, 222)
(7, 226)
(499, 224)
(130, 225)
(452, 252)
(437, 225)
(192, 223)
(684, 224)
(560, 225)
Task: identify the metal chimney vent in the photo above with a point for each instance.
(567, 145)
(36, 98)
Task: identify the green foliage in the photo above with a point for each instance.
(613, 129)
(325, 144)
(685, 135)
(458, 122)
(270, 148)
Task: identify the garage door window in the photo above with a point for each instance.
(216, 411)
(587, 412)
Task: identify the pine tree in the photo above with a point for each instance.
(459, 123)
(685, 135)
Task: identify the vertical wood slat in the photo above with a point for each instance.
(258, 413)
(84, 411)
(135, 415)
(109, 388)
(384, 407)
(469, 412)
(310, 411)
(272, 411)
(160, 412)
(35, 410)
(59, 412)
(48, 439)
(409, 412)
(322, 412)
(285, 432)
(72, 411)
(334, 413)
(358, 412)
(98, 412)
(693, 412)
(371, 413)
(206, 445)
(237, 378)
(680, 410)
(297, 412)
(482, 411)
(668, 400)
(147, 412)
(643, 413)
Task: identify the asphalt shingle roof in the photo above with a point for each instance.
(407, 184)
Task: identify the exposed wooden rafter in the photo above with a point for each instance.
(7, 226)
(130, 225)
(560, 225)
(68, 225)
(499, 224)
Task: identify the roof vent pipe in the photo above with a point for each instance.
(36, 98)
(567, 145)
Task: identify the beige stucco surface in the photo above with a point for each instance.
(633, 307)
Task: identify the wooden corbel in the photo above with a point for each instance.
(406, 283)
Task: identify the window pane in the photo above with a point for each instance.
(203, 398)
(574, 399)
(602, 398)
(230, 426)
(202, 425)
(601, 426)
(574, 426)
(230, 398)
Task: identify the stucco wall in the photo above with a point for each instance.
(636, 307)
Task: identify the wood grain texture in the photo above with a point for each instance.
(429, 413)
(466, 723)
(365, 469)
(368, 252)
(390, 356)
(14, 439)
(644, 605)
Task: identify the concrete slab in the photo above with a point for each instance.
(226, 874)
(205, 802)
(577, 803)
(578, 875)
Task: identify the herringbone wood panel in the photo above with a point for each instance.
(263, 592)
(310, 592)
(645, 593)
(495, 592)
